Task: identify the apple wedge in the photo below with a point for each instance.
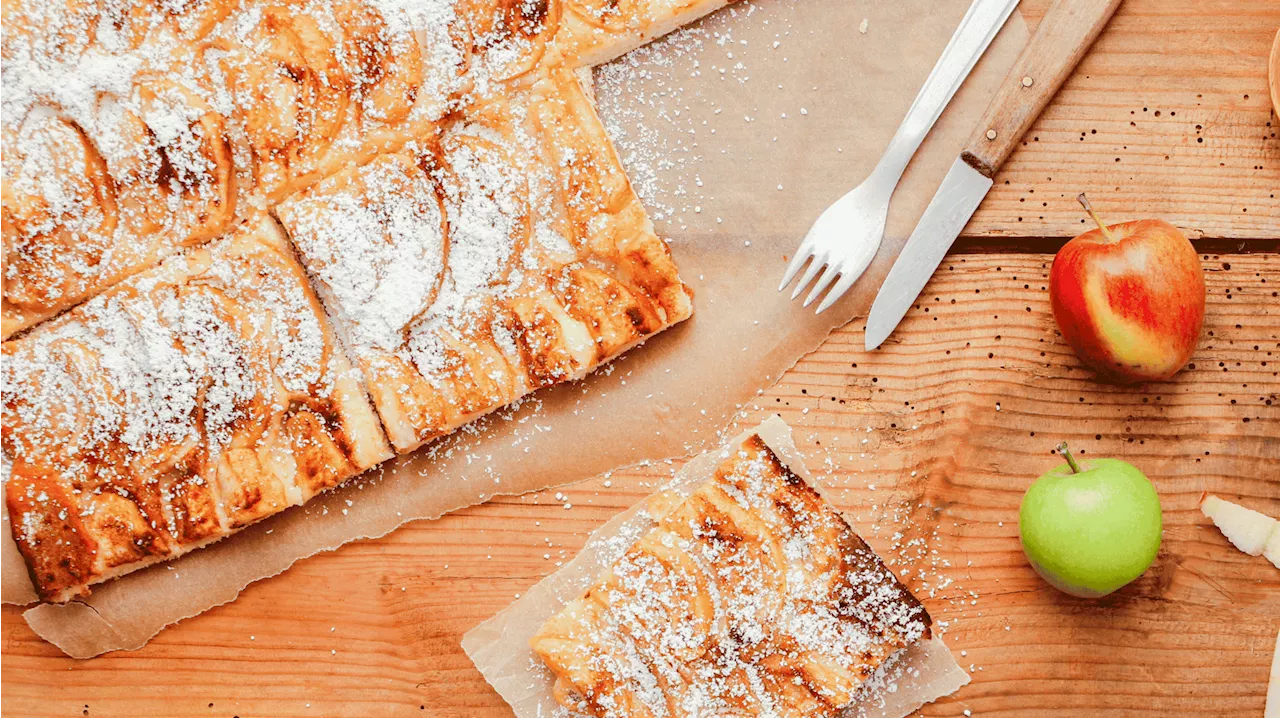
(1272, 549)
(1250, 531)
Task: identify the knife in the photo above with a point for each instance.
(1062, 38)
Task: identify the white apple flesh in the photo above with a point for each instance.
(1250, 531)
(1272, 550)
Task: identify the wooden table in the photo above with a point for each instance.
(1167, 117)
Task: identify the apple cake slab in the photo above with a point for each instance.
(507, 254)
(135, 130)
(750, 596)
(177, 407)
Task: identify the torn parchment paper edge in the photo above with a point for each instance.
(499, 647)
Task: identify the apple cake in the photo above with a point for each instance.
(750, 596)
(457, 232)
(176, 407)
(506, 254)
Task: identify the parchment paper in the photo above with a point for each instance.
(709, 103)
(499, 647)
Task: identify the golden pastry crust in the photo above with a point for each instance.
(179, 406)
(516, 250)
(751, 596)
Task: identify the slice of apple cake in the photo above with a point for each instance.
(505, 254)
(179, 406)
(749, 597)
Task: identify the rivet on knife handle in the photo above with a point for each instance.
(1062, 38)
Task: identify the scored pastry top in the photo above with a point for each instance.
(184, 403)
(751, 596)
(504, 254)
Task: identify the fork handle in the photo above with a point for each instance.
(976, 31)
(1062, 38)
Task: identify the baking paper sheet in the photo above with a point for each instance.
(738, 132)
(499, 647)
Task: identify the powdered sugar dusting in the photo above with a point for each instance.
(379, 250)
(485, 194)
(415, 239)
(658, 161)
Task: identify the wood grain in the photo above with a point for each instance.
(1168, 116)
(964, 405)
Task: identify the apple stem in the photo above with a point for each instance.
(1071, 460)
(1084, 201)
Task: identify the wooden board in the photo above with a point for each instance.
(971, 394)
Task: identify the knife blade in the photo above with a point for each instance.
(949, 211)
(1063, 36)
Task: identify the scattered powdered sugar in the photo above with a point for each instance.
(302, 351)
(56, 171)
(140, 357)
(434, 26)
(213, 348)
(175, 125)
(58, 66)
(655, 157)
(379, 246)
(458, 62)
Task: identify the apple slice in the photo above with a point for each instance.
(1249, 530)
(1252, 532)
(1272, 550)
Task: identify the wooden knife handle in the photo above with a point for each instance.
(1063, 37)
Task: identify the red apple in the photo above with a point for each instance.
(1129, 298)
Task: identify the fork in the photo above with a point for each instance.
(848, 234)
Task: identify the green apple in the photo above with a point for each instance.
(1090, 527)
